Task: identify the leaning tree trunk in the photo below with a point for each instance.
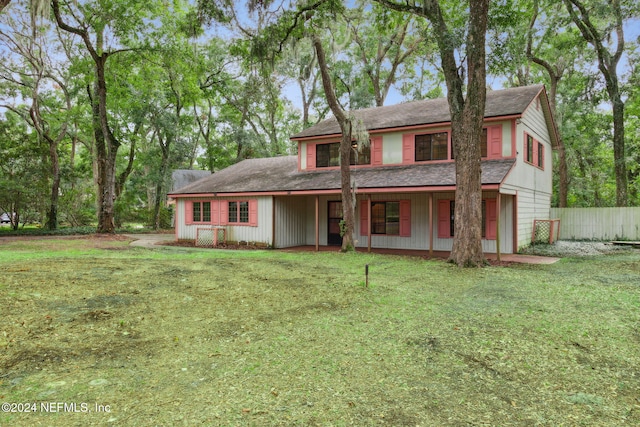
(348, 214)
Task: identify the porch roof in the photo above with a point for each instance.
(281, 174)
(499, 103)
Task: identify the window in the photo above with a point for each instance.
(328, 155)
(434, 146)
(446, 219)
(540, 155)
(385, 218)
(529, 150)
(534, 152)
(201, 212)
(238, 212)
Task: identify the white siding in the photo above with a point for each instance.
(290, 219)
(530, 205)
(533, 185)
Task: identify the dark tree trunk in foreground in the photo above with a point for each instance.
(467, 119)
(345, 148)
(106, 143)
(467, 116)
(607, 64)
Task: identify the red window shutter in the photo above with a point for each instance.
(188, 212)
(494, 139)
(364, 217)
(491, 219)
(224, 212)
(311, 156)
(376, 151)
(408, 148)
(444, 222)
(405, 218)
(253, 212)
(215, 212)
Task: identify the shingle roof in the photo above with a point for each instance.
(277, 174)
(183, 177)
(506, 102)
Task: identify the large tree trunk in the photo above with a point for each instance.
(466, 135)
(52, 215)
(106, 150)
(619, 156)
(106, 143)
(608, 64)
(563, 168)
(467, 116)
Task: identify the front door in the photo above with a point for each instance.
(335, 216)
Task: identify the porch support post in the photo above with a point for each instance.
(368, 222)
(498, 213)
(273, 221)
(430, 225)
(317, 223)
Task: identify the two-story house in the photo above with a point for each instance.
(404, 181)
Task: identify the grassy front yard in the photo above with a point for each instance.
(180, 337)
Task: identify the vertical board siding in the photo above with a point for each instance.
(291, 214)
(598, 223)
(531, 205)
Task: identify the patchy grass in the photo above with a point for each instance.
(173, 336)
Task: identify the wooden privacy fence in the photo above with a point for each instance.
(598, 223)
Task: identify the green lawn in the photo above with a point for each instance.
(182, 337)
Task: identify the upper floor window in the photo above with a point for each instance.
(540, 155)
(432, 146)
(328, 155)
(533, 151)
(529, 149)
